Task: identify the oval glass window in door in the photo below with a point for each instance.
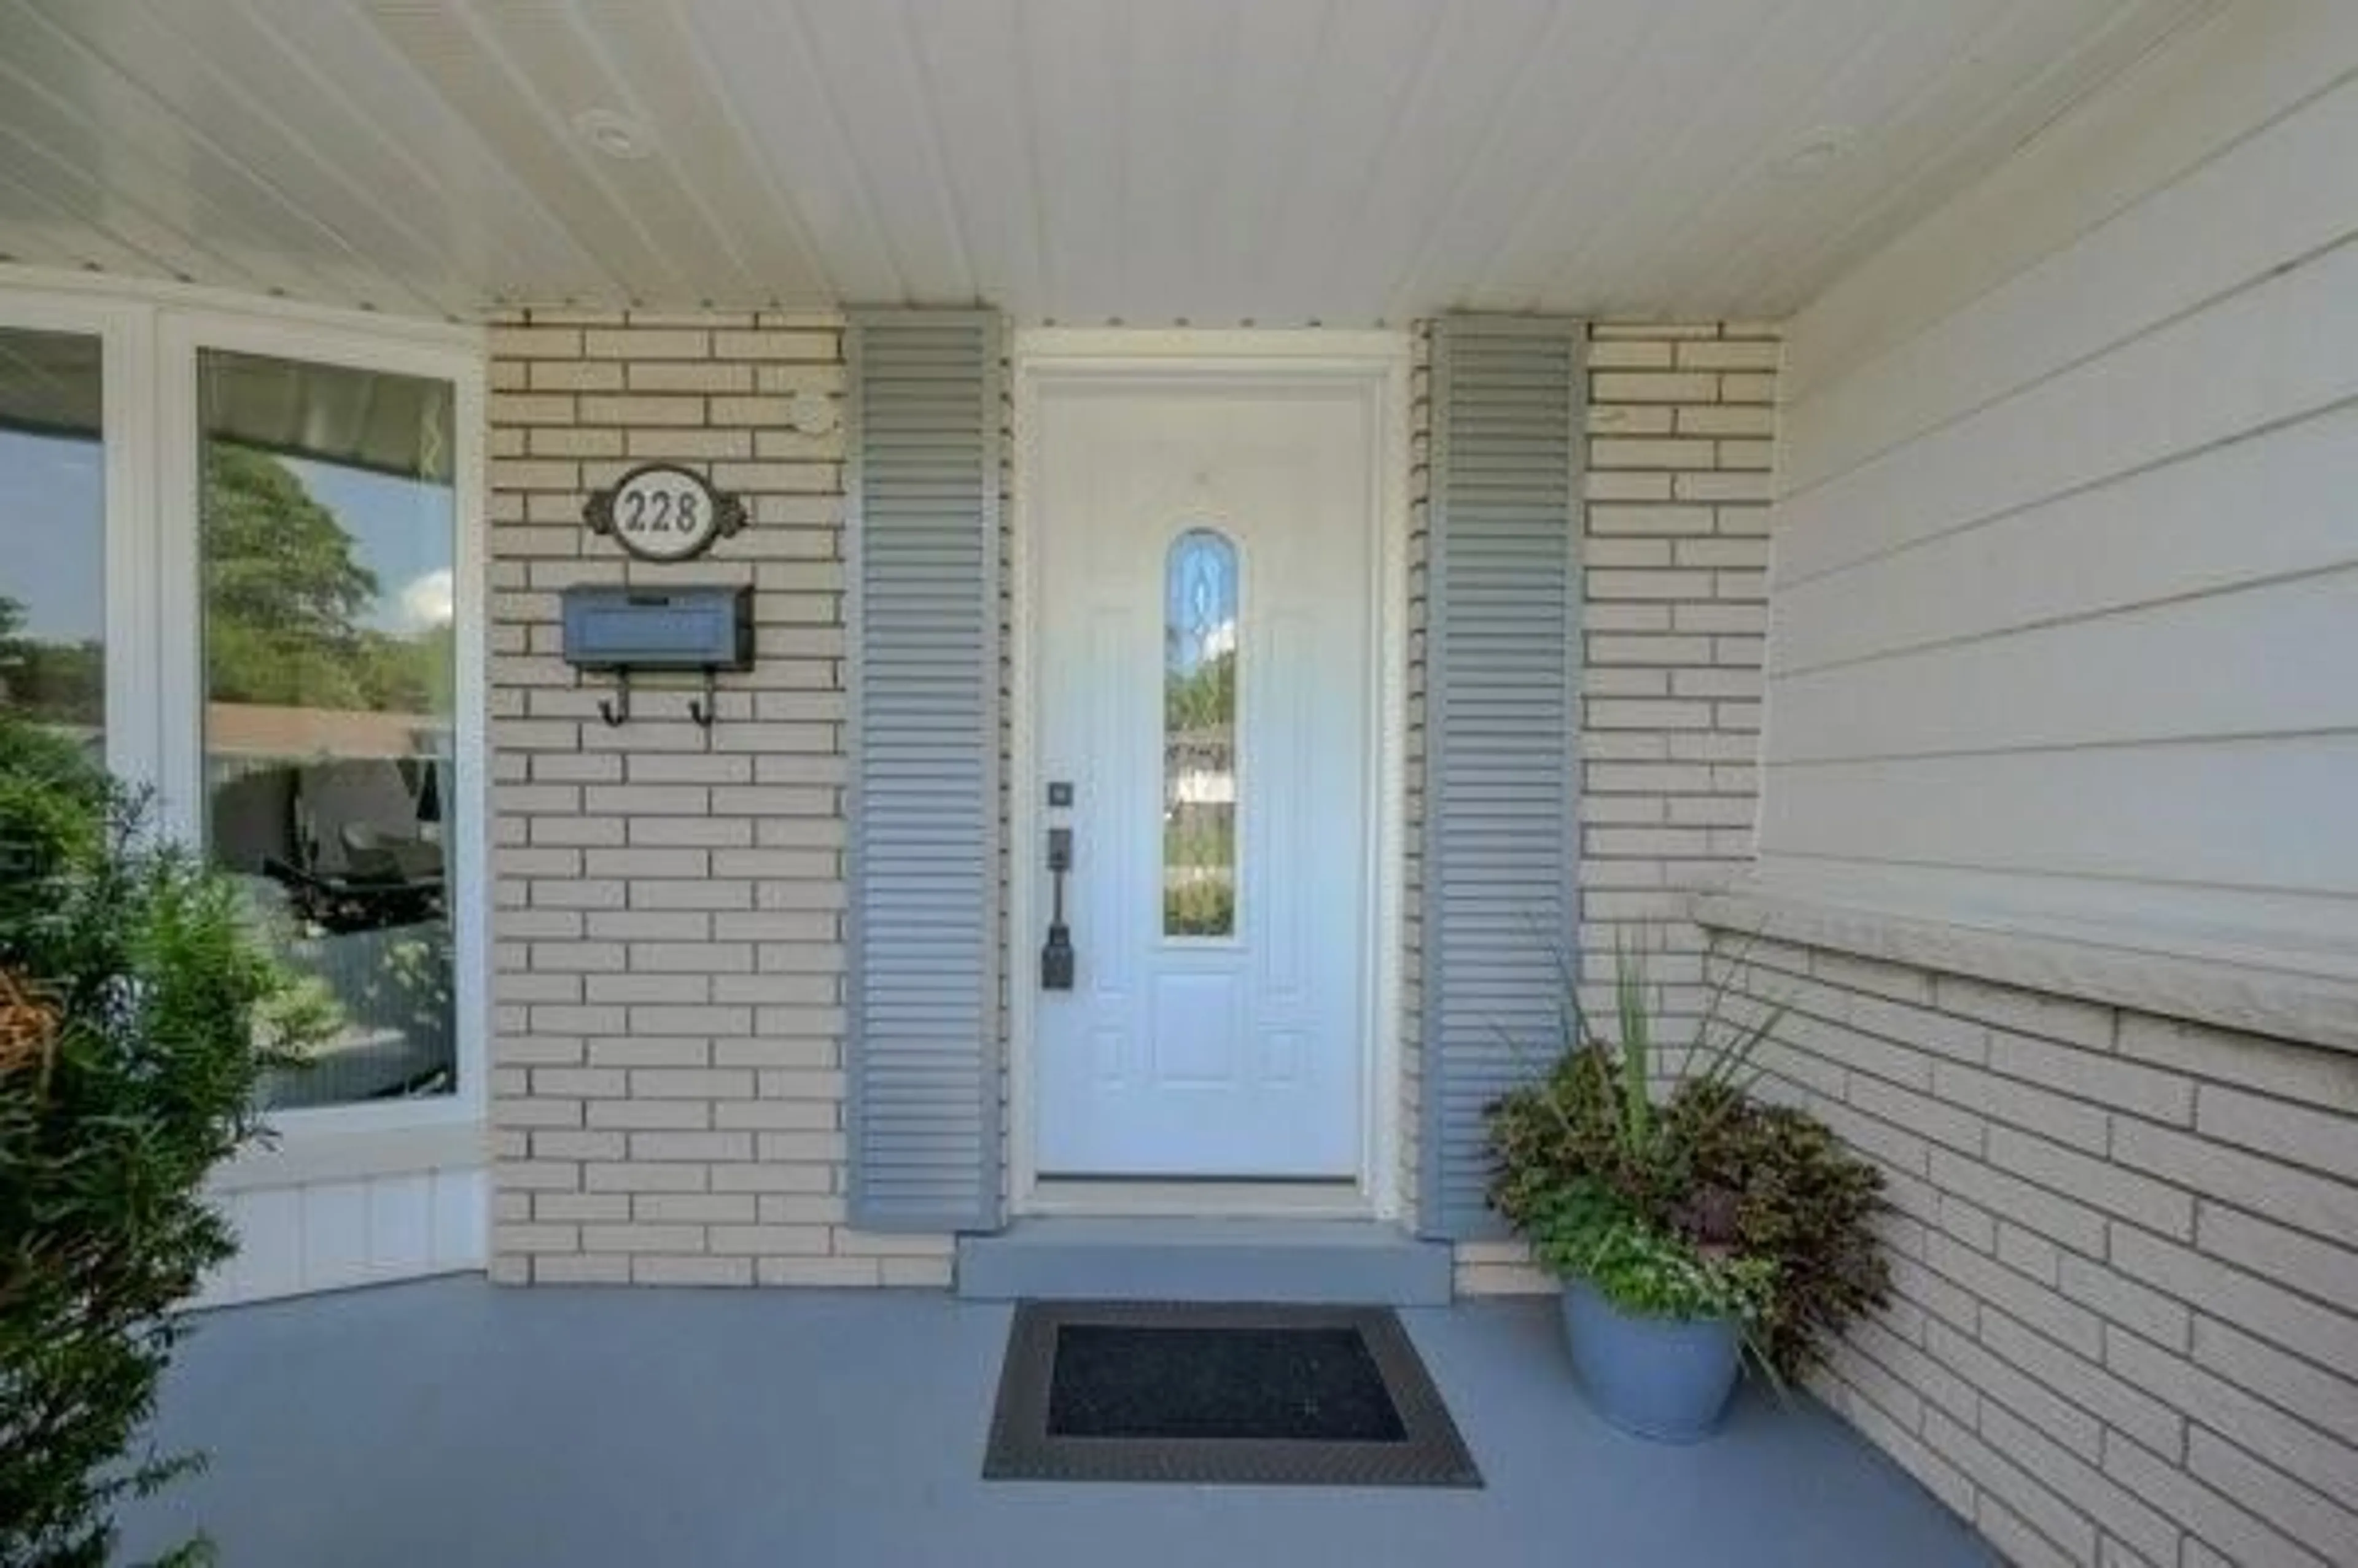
(1199, 736)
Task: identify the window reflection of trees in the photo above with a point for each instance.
(53, 530)
(284, 595)
(50, 680)
(328, 740)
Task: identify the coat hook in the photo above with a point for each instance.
(616, 710)
(706, 710)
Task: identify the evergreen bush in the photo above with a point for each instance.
(138, 1013)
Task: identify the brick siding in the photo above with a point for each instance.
(1675, 555)
(667, 1072)
(2125, 1251)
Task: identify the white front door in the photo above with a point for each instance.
(1206, 578)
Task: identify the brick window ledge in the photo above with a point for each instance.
(2288, 1004)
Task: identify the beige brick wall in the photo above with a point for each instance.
(2126, 1249)
(1676, 554)
(668, 1067)
(667, 1074)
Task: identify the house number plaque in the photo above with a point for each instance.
(661, 511)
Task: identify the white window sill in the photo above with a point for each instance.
(2285, 1003)
(304, 1150)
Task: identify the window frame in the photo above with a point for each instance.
(183, 336)
(150, 334)
(126, 336)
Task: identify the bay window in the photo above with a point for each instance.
(237, 558)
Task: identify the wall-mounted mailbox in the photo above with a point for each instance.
(628, 631)
(659, 628)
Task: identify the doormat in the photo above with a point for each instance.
(1219, 1394)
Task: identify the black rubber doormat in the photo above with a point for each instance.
(1219, 1394)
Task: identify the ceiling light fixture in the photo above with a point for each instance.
(614, 134)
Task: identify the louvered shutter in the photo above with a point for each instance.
(922, 614)
(1509, 410)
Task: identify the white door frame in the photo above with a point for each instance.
(1378, 363)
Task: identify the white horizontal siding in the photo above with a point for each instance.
(2274, 352)
(2284, 190)
(2143, 539)
(326, 1236)
(2238, 663)
(2186, 105)
(2243, 813)
(2065, 597)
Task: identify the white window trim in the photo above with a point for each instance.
(126, 336)
(151, 334)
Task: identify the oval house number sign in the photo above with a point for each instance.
(661, 511)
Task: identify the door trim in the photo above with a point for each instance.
(1378, 363)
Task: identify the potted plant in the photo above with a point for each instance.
(1695, 1227)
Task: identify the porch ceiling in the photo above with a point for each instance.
(1080, 160)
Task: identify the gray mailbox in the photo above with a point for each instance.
(625, 630)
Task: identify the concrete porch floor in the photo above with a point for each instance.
(450, 1423)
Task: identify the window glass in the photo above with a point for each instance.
(52, 531)
(329, 524)
(1199, 737)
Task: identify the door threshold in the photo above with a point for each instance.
(1164, 1197)
(1268, 1258)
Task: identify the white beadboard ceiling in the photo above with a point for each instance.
(1212, 161)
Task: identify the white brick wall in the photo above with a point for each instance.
(668, 1084)
(1676, 551)
(2126, 1258)
(669, 1070)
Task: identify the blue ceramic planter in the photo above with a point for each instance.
(1664, 1378)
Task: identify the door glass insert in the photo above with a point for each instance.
(53, 532)
(1199, 736)
(328, 519)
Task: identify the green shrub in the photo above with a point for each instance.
(1662, 1183)
(151, 1015)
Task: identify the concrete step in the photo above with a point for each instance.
(1170, 1260)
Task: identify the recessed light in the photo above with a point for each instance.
(614, 134)
(1816, 152)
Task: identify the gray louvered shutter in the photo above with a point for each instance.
(923, 612)
(1509, 410)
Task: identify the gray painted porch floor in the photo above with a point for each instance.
(448, 1423)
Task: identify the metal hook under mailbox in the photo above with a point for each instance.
(706, 710)
(617, 713)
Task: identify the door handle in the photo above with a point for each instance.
(1057, 958)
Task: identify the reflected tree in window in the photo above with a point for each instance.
(48, 679)
(284, 595)
(329, 524)
(53, 532)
